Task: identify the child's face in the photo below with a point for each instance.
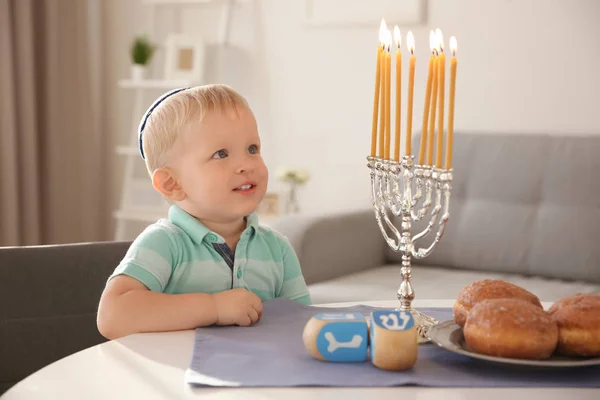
(220, 167)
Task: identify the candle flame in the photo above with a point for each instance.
(432, 41)
(440, 40)
(453, 45)
(388, 39)
(397, 36)
(382, 29)
(410, 42)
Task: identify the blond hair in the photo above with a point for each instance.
(176, 112)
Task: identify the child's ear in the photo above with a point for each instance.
(166, 183)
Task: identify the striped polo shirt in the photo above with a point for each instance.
(181, 255)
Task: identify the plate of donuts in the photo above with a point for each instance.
(498, 321)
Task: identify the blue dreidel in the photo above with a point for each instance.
(337, 336)
(394, 340)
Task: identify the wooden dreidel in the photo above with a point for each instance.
(337, 336)
(394, 340)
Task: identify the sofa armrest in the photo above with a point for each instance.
(329, 246)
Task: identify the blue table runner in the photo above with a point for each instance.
(271, 354)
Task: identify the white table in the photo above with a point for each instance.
(152, 366)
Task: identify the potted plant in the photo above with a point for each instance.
(294, 177)
(141, 54)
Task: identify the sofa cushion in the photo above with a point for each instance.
(524, 204)
(431, 282)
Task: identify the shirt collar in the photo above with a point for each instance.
(197, 230)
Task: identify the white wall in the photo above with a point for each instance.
(529, 65)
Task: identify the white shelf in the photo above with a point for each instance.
(142, 215)
(127, 151)
(155, 84)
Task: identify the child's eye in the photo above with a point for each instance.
(220, 154)
(253, 149)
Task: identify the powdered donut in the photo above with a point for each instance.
(488, 289)
(511, 328)
(578, 320)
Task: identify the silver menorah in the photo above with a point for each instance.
(392, 192)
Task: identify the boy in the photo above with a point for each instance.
(210, 262)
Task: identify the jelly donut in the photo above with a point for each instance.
(512, 328)
(485, 289)
(578, 320)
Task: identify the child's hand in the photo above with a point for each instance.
(237, 307)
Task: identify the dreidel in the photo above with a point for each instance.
(337, 337)
(393, 340)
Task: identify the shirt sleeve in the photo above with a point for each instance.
(294, 286)
(150, 259)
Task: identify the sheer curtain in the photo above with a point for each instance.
(52, 177)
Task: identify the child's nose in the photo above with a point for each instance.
(244, 165)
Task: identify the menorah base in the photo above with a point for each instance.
(423, 322)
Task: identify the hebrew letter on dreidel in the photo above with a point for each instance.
(337, 336)
(391, 322)
(332, 316)
(334, 344)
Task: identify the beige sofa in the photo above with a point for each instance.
(524, 208)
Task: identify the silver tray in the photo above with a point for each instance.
(449, 336)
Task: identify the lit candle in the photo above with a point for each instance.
(410, 42)
(377, 89)
(382, 107)
(432, 45)
(388, 74)
(441, 72)
(433, 107)
(398, 40)
(453, 46)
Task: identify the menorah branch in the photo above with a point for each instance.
(443, 189)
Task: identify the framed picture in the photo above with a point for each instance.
(184, 57)
(367, 13)
(269, 206)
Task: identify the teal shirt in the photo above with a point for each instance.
(177, 255)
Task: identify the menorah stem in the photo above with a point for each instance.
(406, 293)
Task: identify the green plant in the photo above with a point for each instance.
(142, 50)
(293, 175)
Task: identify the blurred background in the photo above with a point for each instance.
(76, 77)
